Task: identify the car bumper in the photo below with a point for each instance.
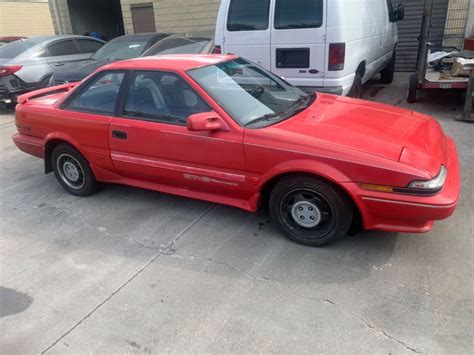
(11, 87)
(408, 213)
(29, 145)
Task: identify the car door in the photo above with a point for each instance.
(62, 52)
(150, 140)
(298, 41)
(247, 30)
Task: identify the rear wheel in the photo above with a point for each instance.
(72, 171)
(310, 211)
(388, 72)
(356, 89)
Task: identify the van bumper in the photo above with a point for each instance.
(335, 90)
(336, 86)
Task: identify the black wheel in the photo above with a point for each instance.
(73, 171)
(388, 72)
(412, 87)
(356, 89)
(310, 211)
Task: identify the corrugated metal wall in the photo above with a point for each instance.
(409, 30)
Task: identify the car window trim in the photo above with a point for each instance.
(85, 85)
(120, 112)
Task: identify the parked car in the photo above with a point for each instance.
(182, 44)
(28, 64)
(219, 128)
(9, 39)
(120, 48)
(318, 45)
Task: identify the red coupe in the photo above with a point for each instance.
(222, 129)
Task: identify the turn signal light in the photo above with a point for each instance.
(8, 70)
(379, 188)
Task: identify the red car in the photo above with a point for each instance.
(219, 128)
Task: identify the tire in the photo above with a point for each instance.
(388, 72)
(356, 89)
(72, 171)
(412, 87)
(325, 212)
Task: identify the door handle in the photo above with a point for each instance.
(120, 135)
(58, 64)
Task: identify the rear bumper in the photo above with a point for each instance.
(407, 213)
(29, 145)
(11, 87)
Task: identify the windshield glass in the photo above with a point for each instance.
(250, 94)
(121, 48)
(178, 45)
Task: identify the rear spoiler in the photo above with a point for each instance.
(45, 92)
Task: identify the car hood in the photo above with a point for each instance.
(73, 72)
(385, 131)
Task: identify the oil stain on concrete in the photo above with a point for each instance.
(13, 302)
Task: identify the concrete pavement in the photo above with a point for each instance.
(134, 271)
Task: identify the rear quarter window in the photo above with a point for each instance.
(248, 15)
(291, 14)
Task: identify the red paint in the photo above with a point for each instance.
(344, 140)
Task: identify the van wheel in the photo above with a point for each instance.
(388, 72)
(356, 89)
(310, 211)
(72, 171)
(413, 85)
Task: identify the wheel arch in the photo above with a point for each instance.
(52, 141)
(361, 69)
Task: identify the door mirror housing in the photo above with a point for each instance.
(207, 121)
(400, 13)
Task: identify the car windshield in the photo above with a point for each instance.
(121, 48)
(178, 45)
(253, 96)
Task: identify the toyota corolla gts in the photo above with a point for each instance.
(222, 129)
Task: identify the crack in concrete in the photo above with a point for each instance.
(130, 279)
(365, 321)
(210, 260)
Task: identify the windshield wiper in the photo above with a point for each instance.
(266, 117)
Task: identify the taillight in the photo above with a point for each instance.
(337, 56)
(4, 71)
(217, 50)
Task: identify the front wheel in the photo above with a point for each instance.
(72, 171)
(310, 211)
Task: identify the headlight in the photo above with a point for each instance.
(419, 187)
(432, 185)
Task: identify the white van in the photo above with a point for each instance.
(318, 45)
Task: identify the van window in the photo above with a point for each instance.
(248, 15)
(290, 14)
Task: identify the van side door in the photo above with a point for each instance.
(298, 49)
(247, 29)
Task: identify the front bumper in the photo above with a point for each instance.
(408, 213)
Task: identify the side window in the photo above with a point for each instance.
(290, 14)
(88, 46)
(99, 96)
(248, 15)
(162, 97)
(63, 48)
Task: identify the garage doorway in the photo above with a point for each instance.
(143, 18)
(103, 17)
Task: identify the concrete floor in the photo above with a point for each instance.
(129, 270)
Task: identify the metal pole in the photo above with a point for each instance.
(56, 17)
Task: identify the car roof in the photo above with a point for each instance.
(171, 62)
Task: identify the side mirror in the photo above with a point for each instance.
(400, 13)
(207, 121)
